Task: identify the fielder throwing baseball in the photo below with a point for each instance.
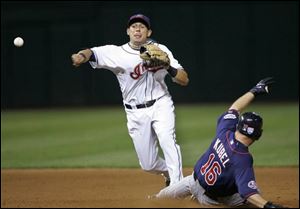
(140, 67)
(224, 174)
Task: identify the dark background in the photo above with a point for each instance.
(226, 47)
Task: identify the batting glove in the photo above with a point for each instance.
(262, 87)
(272, 205)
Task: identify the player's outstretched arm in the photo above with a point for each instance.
(81, 57)
(242, 102)
(262, 87)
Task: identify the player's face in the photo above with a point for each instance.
(138, 33)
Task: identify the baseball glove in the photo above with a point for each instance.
(154, 58)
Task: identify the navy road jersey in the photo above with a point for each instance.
(226, 167)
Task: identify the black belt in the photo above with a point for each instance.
(210, 195)
(146, 104)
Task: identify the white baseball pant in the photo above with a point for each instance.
(188, 186)
(150, 126)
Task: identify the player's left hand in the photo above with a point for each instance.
(263, 86)
(154, 58)
(272, 205)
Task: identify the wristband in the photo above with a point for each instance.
(254, 92)
(92, 58)
(172, 71)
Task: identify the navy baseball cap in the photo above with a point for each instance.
(139, 18)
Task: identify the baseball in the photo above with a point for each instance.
(18, 42)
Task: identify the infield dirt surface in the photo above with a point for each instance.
(120, 188)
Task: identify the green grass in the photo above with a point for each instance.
(98, 137)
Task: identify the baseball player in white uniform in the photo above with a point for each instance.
(147, 101)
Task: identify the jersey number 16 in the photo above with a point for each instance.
(211, 170)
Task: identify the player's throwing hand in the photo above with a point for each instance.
(78, 59)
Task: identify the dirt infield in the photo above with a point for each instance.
(100, 188)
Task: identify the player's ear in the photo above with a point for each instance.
(149, 33)
(127, 31)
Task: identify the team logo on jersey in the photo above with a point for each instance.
(229, 116)
(137, 71)
(252, 185)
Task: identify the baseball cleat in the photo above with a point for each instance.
(167, 179)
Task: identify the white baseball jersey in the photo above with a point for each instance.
(136, 83)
